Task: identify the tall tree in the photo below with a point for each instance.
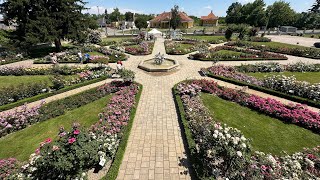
(280, 13)
(234, 13)
(175, 18)
(43, 21)
(129, 16)
(141, 22)
(316, 7)
(254, 13)
(115, 15)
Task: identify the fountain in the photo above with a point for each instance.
(159, 64)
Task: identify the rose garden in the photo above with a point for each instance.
(231, 105)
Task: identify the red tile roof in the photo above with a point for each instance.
(165, 16)
(211, 16)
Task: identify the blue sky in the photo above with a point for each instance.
(192, 7)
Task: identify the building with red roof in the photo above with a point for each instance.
(210, 20)
(162, 20)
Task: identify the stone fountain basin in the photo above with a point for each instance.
(166, 66)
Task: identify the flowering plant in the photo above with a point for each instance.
(225, 153)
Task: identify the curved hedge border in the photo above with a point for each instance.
(268, 91)
(42, 96)
(115, 166)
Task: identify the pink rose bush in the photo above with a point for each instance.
(276, 67)
(223, 152)
(245, 54)
(8, 167)
(288, 85)
(78, 150)
(18, 119)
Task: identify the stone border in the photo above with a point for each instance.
(175, 66)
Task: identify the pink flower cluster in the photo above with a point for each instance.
(296, 114)
(230, 72)
(7, 167)
(117, 113)
(18, 119)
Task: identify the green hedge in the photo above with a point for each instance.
(196, 168)
(42, 96)
(268, 91)
(114, 169)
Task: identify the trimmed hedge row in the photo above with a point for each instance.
(114, 169)
(268, 91)
(42, 96)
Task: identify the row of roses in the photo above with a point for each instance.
(276, 67)
(77, 151)
(61, 70)
(295, 51)
(245, 54)
(22, 91)
(281, 83)
(292, 113)
(143, 48)
(225, 153)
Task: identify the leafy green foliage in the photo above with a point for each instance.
(46, 21)
(316, 7)
(140, 23)
(280, 14)
(175, 18)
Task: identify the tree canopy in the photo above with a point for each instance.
(115, 15)
(280, 14)
(141, 22)
(46, 21)
(316, 7)
(129, 16)
(175, 18)
(250, 13)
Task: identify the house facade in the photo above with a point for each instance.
(163, 20)
(210, 20)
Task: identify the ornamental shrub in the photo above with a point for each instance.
(67, 158)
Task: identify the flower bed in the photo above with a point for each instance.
(235, 54)
(70, 56)
(218, 151)
(144, 48)
(282, 84)
(290, 50)
(276, 67)
(181, 47)
(16, 93)
(85, 149)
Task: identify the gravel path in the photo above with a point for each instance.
(303, 41)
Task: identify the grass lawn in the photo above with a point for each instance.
(207, 38)
(95, 53)
(268, 135)
(23, 143)
(6, 81)
(116, 39)
(312, 77)
(228, 52)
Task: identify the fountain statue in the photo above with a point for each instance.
(158, 59)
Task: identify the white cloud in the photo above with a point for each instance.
(245, 1)
(94, 10)
(207, 7)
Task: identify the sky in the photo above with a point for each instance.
(191, 7)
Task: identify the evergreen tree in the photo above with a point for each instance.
(42, 21)
(175, 18)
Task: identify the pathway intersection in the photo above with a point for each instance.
(155, 148)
